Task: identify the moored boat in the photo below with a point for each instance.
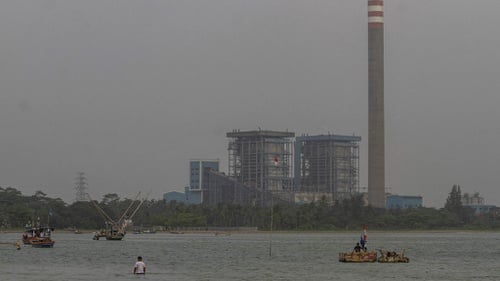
(110, 234)
(115, 235)
(116, 229)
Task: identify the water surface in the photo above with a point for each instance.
(294, 256)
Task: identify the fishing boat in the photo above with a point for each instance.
(358, 257)
(392, 257)
(112, 232)
(115, 234)
(45, 242)
(116, 229)
(39, 237)
(360, 252)
(28, 235)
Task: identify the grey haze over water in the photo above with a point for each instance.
(129, 91)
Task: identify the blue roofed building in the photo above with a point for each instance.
(403, 202)
(176, 196)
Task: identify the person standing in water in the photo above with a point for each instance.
(140, 266)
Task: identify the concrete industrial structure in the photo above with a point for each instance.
(376, 131)
(221, 189)
(261, 160)
(327, 164)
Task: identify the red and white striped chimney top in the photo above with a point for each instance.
(375, 13)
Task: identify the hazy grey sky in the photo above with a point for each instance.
(129, 91)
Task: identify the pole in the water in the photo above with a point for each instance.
(271, 227)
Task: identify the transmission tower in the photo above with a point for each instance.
(81, 187)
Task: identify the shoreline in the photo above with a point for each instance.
(247, 231)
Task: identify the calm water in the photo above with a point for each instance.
(433, 256)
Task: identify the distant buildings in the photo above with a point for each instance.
(198, 180)
(476, 203)
(403, 202)
(274, 166)
(263, 167)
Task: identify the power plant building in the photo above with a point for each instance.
(261, 160)
(221, 189)
(263, 163)
(327, 164)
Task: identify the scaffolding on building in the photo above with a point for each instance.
(81, 187)
(261, 160)
(327, 164)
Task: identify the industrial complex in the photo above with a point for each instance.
(267, 166)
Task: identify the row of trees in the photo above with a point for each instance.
(16, 210)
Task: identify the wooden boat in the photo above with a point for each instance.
(360, 253)
(37, 234)
(44, 242)
(358, 257)
(28, 236)
(39, 237)
(116, 229)
(99, 234)
(392, 257)
(110, 233)
(115, 235)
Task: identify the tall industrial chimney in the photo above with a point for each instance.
(376, 143)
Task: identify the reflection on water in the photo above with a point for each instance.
(295, 256)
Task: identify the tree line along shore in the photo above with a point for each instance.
(17, 210)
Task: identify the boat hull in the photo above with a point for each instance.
(43, 244)
(114, 238)
(358, 257)
(395, 260)
(392, 257)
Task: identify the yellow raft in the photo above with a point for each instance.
(358, 257)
